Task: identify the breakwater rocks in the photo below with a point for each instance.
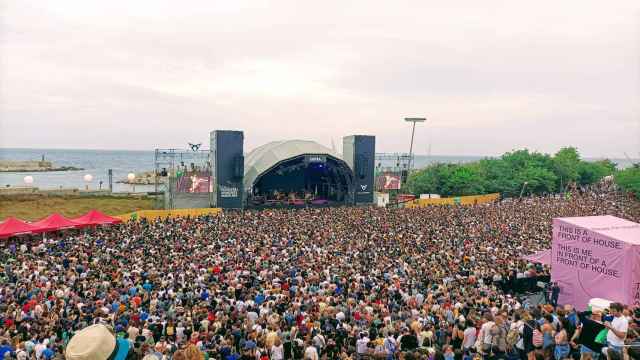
(32, 166)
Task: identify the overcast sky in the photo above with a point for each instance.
(490, 76)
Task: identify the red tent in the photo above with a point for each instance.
(12, 227)
(55, 222)
(95, 217)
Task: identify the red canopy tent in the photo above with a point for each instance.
(12, 227)
(55, 222)
(95, 217)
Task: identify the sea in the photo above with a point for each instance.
(122, 162)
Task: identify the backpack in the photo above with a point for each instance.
(538, 339)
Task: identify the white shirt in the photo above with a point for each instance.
(39, 348)
(22, 355)
(311, 353)
(277, 352)
(361, 345)
(469, 337)
(485, 330)
(620, 324)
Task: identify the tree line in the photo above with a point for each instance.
(520, 172)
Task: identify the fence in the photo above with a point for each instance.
(459, 200)
(152, 215)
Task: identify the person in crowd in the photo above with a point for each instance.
(618, 328)
(310, 283)
(561, 341)
(585, 335)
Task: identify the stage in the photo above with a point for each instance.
(294, 205)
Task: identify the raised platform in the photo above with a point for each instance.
(296, 204)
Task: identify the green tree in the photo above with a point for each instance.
(521, 159)
(629, 179)
(498, 177)
(464, 180)
(565, 165)
(425, 181)
(592, 172)
(539, 180)
(507, 174)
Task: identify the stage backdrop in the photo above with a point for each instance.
(596, 257)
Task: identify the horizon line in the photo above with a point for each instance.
(599, 157)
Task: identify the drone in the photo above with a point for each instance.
(195, 147)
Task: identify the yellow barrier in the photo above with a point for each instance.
(152, 215)
(459, 200)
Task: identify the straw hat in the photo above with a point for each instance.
(93, 342)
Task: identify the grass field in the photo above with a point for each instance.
(36, 207)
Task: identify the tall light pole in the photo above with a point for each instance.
(413, 120)
(523, 186)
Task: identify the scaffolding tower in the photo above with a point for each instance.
(183, 177)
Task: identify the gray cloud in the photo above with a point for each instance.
(491, 76)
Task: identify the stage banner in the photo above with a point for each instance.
(595, 257)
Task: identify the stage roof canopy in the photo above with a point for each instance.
(269, 155)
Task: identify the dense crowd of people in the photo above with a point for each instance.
(351, 283)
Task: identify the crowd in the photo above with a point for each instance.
(351, 283)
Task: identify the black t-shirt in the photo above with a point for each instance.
(408, 342)
(590, 330)
(287, 349)
(140, 339)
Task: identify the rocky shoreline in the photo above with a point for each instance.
(32, 166)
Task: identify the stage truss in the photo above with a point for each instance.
(181, 171)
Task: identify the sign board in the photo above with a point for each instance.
(229, 191)
(316, 159)
(596, 257)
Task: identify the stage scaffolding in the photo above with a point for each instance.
(184, 178)
(396, 164)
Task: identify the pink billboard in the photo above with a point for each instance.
(596, 257)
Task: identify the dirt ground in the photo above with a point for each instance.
(36, 207)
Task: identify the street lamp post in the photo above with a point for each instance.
(88, 178)
(413, 120)
(523, 186)
(132, 177)
(28, 180)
